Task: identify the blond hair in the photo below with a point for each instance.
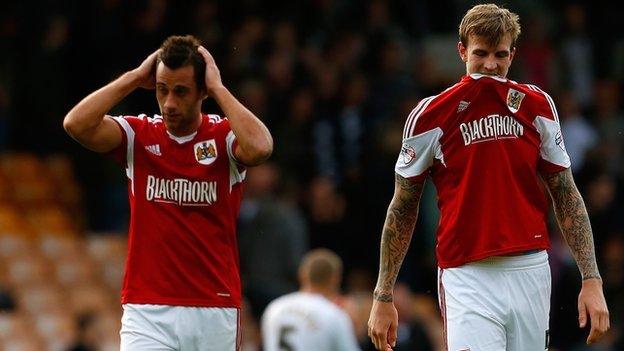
(320, 267)
(490, 22)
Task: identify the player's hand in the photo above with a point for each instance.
(592, 304)
(382, 325)
(146, 72)
(213, 76)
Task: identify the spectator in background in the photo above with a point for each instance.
(85, 339)
(246, 40)
(613, 263)
(326, 211)
(357, 305)
(339, 138)
(575, 127)
(538, 58)
(7, 300)
(8, 69)
(308, 319)
(4, 117)
(293, 137)
(206, 23)
(576, 55)
(609, 118)
(605, 213)
(53, 50)
(412, 335)
(273, 238)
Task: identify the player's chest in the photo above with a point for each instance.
(492, 123)
(202, 157)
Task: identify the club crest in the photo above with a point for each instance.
(408, 153)
(462, 106)
(514, 99)
(206, 151)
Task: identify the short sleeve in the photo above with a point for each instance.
(418, 154)
(237, 170)
(124, 153)
(421, 143)
(121, 153)
(553, 155)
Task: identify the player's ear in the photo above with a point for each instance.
(463, 52)
(203, 91)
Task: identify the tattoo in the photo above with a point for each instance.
(383, 297)
(574, 222)
(397, 234)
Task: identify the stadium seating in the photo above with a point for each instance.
(56, 273)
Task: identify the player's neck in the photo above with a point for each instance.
(326, 292)
(188, 128)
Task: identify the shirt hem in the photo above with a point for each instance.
(498, 252)
(179, 302)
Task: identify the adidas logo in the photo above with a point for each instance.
(155, 149)
(462, 106)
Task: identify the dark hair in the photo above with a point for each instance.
(179, 51)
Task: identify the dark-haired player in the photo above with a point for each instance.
(181, 289)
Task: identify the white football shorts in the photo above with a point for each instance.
(497, 304)
(162, 327)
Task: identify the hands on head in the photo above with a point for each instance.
(213, 76)
(146, 72)
(147, 78)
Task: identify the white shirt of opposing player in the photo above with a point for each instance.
(303, 321)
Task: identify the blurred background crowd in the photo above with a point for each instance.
(334, 81)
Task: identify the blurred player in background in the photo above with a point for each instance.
(308, 319)
(185, 170)
(490, 145)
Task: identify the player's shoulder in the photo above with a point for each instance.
(531, 92)
(214, 124)
(280, 307)
(423, 117)
(539, 102)
(327, 307)
(431, 111)
(279, 303)
(214, 120)
(141, 118)
(139, 122)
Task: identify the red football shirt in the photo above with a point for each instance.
(184, 195)
(484, 142)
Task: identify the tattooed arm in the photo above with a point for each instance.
(576, 229)
(396, 234)
(395, 240)
(573, 221)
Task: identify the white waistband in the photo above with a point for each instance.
(513, 262)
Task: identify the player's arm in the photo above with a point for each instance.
(395, 239)
(88, 123)
(576, 229)
(255, 143)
